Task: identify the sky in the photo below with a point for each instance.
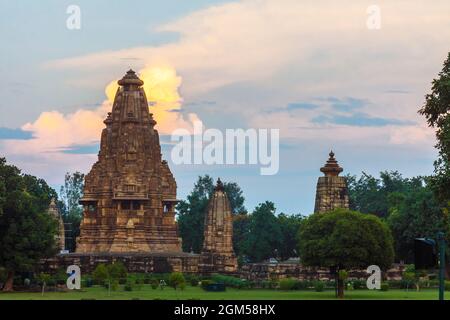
(319, 71)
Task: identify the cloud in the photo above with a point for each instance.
(78, 133)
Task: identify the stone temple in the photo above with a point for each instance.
(331, 192)
(130, 192)
(218, 254)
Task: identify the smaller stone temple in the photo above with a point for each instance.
(218, 254)
(54, 212)
(332, 191)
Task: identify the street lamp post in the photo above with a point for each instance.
(441, 241)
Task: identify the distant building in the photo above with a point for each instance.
(54, 212)
(332, 191)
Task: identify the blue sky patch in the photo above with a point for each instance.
(359, 120)
(14, 134)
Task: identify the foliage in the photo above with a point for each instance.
(241, 229)
(27, 231)
(347, 239)
(288, 284)
(100, 273)
(110, 275)
(384, 286)
(264, 236)
(407, 204)
(72, 213)
(289, 226)
(437, 112)
(177, 280)
(229, 281)
(194, 280)
(319, 286)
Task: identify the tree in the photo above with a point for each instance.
(437, 112)
(264, 237)
(191, 212)
(414, 214)
(369, 194)
(345, 239)
(289, 226)
(241, 229)
(27, 231)
(72, 212)
(407, 204)
(177, 280)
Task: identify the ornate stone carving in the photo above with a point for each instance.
(331, 190)
(130, 193)
(218, 254)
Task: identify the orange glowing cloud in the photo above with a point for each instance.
(54, 131)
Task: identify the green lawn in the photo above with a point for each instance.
(146, 292)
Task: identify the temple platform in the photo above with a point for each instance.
(135, 262)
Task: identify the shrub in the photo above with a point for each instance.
(60, 277)
(88, 282)
(359, 284)
(117, 270)
(319, 286)
(447, 285)
(100, 273)
(288, 284)
(229, 281)
(205, 283)
(154, 283)
(194, 281)
(384, 286)
(176, 280)
(129, 285)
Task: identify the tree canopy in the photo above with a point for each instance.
(347, 239)
(437, 112)
(71, 211)
(27, 231)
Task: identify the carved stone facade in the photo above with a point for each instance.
(130, 192)
(54, 212)
(218, 254)
(332, 191)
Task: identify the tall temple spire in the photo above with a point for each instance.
(331, 192)
(332, 167)
(130, 193)
(218, 254)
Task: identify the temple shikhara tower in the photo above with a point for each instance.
(332, 189)
(54, 212)
(130, 192)
(218, 254)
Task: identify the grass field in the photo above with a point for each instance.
(147, 293)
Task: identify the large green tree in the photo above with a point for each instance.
(264, 237)
(72, 212)
(408, 205)
(27, 231)
(191, 212)
(289, 226)
(437, 112)
(414, 214)
(345, 239)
